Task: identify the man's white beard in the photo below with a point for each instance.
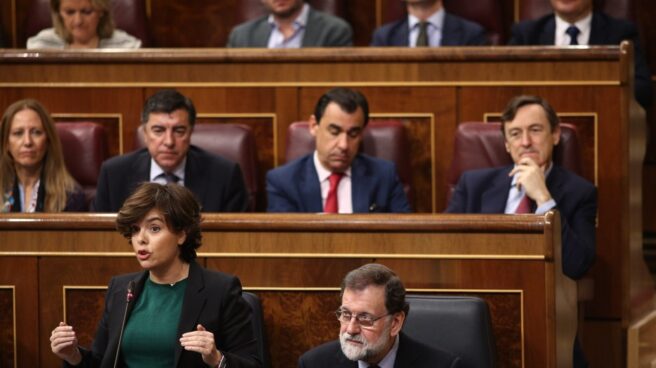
(366, 350)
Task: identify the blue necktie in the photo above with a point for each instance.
(573, 33)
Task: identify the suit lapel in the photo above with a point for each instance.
(309, 187)
(598, 30)
(555, 183)
(361, 185)
(193, 172)
(405, 355)
(261, 33)
(451, 31)
(312, 29)
(192, 305)
(400, 38)
(494, 199)
(548, 34)
(140, 169)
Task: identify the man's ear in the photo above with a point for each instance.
(314, 125)
(397, 323)
(556, 135)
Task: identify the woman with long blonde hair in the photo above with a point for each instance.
(33, 175)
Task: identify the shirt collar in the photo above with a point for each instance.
(583, 24)
(322, 172)
(436, 19)
(156, 170)
(299, 22)
(388, 360)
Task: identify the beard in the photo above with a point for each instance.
(365, 350)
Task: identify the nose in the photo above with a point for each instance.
(168, 139)
(28, 140)
(353, 327)
(77, 18)
(526, 139)
(342, 141)
(139, 237)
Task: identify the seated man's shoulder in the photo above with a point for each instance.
(574, 179)
(209, 158)
(379, 164)
(129, 158)
(615, 26)
(242, 34)
(289, 169)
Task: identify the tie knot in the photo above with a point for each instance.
(171, 178)
(573, 33)
(334, 178)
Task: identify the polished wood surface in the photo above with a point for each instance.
(296, 262)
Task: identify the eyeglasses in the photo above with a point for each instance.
(365, 320)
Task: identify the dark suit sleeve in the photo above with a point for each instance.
(101, 201)
(643, 83)
(517, 36)
(76, 201)
(578, 236)
(277, 199)
(340, 35)
(478, 38)
(457, 203)
(398, 200)
(236, 199)
(377, 38)
(235, 335)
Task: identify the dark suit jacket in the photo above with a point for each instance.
(212, 299)
(457, 32)
(375, 185)
(217, 183)
(486, 191)
(322, 30)
(604, 30)
(411, 354)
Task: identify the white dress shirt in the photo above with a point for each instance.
(435, 26)
(584, 25)
(156, 172)
(277, 38)
(344, 198)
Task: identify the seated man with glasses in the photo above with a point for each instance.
(371, 317)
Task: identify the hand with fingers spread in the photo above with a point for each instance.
(63, 342)
(202, 341)
(530, 176)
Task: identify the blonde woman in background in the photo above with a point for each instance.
(82, 24)
(33, 176)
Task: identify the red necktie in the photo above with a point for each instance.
(331, 201)
(524, 205)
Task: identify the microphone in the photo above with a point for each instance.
(128, 298)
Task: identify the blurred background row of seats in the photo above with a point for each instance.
(133, 17)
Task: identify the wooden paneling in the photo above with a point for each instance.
(20, 274)
(296, 263)
(7, 327)
(445, 86)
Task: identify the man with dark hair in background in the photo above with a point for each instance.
(371, 316)
(336, 178)
(428, 24)
(575, 22)
(167, 120)
(292, 24)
